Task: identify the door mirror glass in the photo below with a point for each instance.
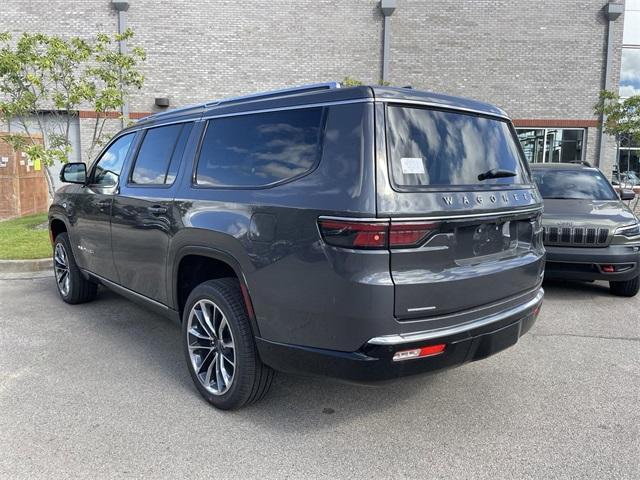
(74, 173)
(626, 194)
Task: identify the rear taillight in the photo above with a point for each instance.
(405, 235)
(365, 235)
(354, 234)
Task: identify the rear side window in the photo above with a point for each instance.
(260, 149)
(159, 155)
(440, 148)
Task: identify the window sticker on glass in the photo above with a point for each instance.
(412, 165)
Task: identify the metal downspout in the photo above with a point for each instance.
(122, 7)
(612, 12)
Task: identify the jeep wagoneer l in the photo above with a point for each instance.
(363, 233)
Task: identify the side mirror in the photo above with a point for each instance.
(75, 172)
(627, 194)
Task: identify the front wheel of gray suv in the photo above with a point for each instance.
(628, 288)
(73, 287)
(219, 346)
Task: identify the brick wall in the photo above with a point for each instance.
(542, 60)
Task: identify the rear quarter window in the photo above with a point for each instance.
(261, 149)
(432, 148)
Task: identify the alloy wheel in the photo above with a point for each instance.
(211, 347)
(61, 268)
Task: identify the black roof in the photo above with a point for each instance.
(320, 93)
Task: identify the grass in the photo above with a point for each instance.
(20, 240)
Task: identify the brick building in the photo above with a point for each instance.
(543, 62)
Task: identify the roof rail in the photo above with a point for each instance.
(274, 93)
(253, 96)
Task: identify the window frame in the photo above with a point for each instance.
(138, 146)
(526, 173)
(94, 164)
(313, 168)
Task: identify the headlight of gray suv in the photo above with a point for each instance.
(629, 230)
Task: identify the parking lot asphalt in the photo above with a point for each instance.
(101, 390)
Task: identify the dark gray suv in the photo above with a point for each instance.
(363, 233)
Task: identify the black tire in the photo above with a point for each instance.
(625, 289)
(79, 289)
(251, 378)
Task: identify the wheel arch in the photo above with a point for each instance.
(218, 256)
(57, 225)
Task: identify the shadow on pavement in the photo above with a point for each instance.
(293, 403)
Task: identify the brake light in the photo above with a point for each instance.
(403, 235)
(369, 235)
(354, 234)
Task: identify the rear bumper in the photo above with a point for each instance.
(583, 263)
(467, 342)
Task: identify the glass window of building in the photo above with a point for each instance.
(555, 145)
(629, 86)
(630, 67)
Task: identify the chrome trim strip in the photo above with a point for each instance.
(291, 107)
(109, 283)
(471, 215)
(441, 106)
(420, 309)
(354, 219)
(399, 339)
(441, 217)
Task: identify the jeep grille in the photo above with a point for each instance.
(579, 236)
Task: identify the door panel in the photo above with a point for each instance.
(143, 218)
(93, 210)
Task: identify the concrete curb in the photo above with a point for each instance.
(25, 266)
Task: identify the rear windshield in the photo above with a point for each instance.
(438, 148)
(573, 184)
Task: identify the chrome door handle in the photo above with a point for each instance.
(104, 203)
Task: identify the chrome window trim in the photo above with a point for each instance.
(399, 339)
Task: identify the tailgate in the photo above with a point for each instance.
(467, 263)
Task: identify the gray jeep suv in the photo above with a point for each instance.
(589, 233)
(364, 233)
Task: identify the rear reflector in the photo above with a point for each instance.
(608, 268)
(429, 351)
(365, 235)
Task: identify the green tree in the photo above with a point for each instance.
(620, 118)
(45, 80)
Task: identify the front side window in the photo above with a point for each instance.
(107, 170)
(260, 149)
(159, 155)
(573, 184)
(430, 148)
